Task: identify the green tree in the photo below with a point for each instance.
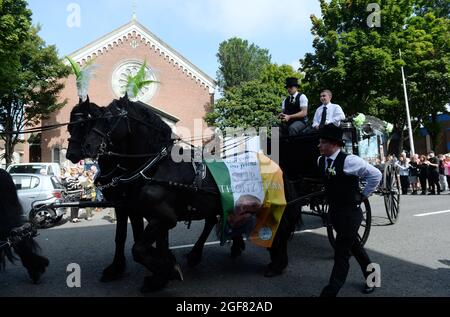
(440, 8)
(239, 62)
(15, 23)
(428, 64)
(361, 64)
(255, 103)
(35, 82)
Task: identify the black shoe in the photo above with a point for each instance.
(368, 290)
(270, 272)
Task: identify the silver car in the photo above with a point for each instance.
(36, 190)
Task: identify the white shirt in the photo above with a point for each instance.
(303, 101)
(335, 115)
(404, 169)
(356, 166)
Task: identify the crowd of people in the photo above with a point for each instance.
(421, 174)
(79, 182)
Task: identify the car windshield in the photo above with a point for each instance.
(27, 169)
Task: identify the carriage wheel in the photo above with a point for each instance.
(364, 229)
(391, 193)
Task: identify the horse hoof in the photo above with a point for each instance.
(36, 271)
(153, 284)
(35, 276)
(193, 259)
(270, 272)
(235, 253)
(237, 247)
(112, 273)
(177, 273)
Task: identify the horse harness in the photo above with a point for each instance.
(141, 173)
(19, 234)
(155, 159)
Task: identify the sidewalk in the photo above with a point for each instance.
(103, 217)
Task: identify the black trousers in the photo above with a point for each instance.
(404, 183)
(423, 183)
(346, 222)
(433, 181)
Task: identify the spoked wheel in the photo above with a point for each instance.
(364, 229)
(391, 193)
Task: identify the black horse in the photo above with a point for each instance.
(14, 234)
(83, 116)
(125, 196)
(169, 191)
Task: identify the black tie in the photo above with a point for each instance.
(329, 163)
(324, 118)
(292, 99)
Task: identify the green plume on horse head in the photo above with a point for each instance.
(137, 82)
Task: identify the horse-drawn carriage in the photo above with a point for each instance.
(304, 187)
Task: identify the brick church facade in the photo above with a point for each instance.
(180, 97)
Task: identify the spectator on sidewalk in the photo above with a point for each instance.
(442, 178)
(88, 192)
(423, 174)
(447, 169)
(74, 187)
(433, 174)
(404, 173)
(414, 172)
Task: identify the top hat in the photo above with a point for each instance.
(291, 82)
(332, 132)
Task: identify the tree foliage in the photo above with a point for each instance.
(362, 65)
(30, 73)
(255, 103)
(240, 62)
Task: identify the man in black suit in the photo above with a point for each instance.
(295, 109)
(341, 175)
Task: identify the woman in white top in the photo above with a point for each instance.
(403, 164)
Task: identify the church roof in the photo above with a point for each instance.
(135, 29)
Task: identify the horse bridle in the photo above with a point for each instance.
(106, 137)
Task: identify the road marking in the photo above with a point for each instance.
(432, 213)
(218, 242)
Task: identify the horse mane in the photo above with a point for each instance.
(158, 133)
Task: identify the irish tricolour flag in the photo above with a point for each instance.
(252, 196)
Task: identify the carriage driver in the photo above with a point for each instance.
(341, 175)
(295, 109)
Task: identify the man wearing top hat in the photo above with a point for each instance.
(295, 109)
(341, 174)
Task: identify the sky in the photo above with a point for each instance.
(195, 28)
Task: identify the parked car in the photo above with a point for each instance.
(52, 169)
(36, 190)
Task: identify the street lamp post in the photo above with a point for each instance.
(411, 140)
